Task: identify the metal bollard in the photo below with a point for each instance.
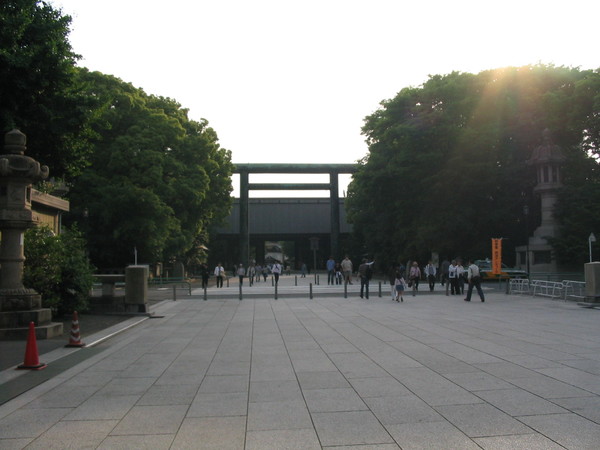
(174, 293)
(240, 286)
(275, 292)
(380, 289)
(295, 280)
(315, 277)
(272, 281)
(318, 280)
(310, 291)
(227, 282)
(205, 296)
(345, 290)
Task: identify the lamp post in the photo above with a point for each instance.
(591, 239)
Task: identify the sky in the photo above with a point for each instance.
(291, 81)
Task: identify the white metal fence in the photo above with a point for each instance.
(565, 289)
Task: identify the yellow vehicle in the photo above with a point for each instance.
(485, 269)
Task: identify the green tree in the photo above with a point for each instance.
(446, 169)
(58, 268)
(38, 93)
(156, 181)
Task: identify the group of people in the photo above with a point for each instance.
(399, 284)
(339, 272)
(452, 274)
(253, 273)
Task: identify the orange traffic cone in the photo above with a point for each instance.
(74, 339)
(32, 359)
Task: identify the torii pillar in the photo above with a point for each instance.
(335, 213)
(244, 232)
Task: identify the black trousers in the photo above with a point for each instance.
(364, 287)
(431, 280)
(454, 289)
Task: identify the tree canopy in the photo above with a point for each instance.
(142, 174)
(156, 179)
(38, 93)
(446, 169)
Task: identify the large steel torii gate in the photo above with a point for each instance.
(333, 187)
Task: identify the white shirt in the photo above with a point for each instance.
(473, 271)
(452, 271)
(430, 269)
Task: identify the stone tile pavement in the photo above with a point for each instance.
(331, 372)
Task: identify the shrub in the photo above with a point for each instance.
(58, 268)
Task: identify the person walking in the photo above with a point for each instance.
(219, 272)
(338, 273)
(413, 276)
(365, 272)
(251, 274)
(452, 280)
(347, 270)
(474, 278)
(241, 273)
(204, 273)
(257, 272)
(303, 270)
(276, 270)
(430, 275)
(392, 275)
(330, 266)
(399, 286)
(460, 277)
(444, 267)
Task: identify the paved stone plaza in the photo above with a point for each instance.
(433, 372)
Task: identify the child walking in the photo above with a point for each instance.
(399, 285)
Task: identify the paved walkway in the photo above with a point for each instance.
(433, 372)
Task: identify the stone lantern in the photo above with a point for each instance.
(547, 159)
(19, 305)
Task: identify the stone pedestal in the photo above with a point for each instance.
(136, 289)
(19, 309)
(592, 282)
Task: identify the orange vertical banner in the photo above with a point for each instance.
(497, 256)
